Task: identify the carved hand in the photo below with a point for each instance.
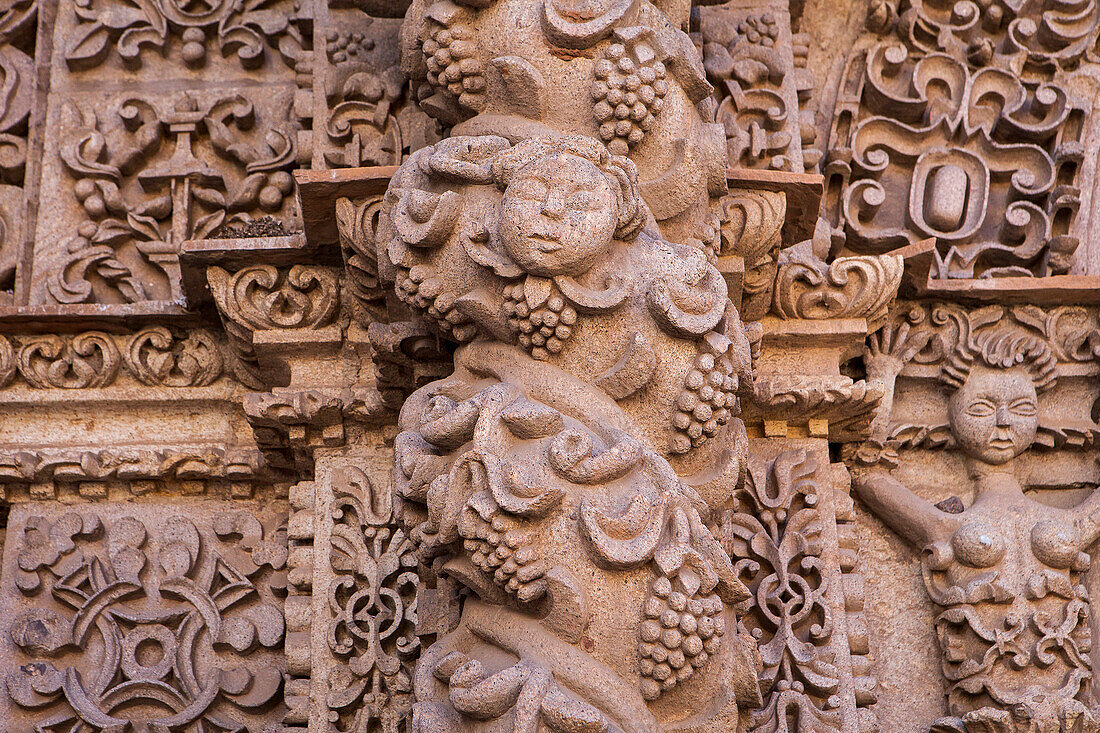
(889, 350)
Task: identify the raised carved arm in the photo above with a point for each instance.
(912, 517)
(1087, 519)
(887, 353)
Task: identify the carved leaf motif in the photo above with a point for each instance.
(775, 539)
(160, 357)
(85, 361)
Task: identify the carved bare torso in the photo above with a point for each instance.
(1008, 573)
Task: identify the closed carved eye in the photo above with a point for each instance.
(583, 201)
(528, 188)
(981, 408)
(1024, 407)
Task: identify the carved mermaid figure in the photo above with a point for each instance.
(1006, 571)
(560, 475)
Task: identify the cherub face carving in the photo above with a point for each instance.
(558, 216)
(994, 415)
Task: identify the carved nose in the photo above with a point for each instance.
(1002, 415)
(554, 206)
(945, 197)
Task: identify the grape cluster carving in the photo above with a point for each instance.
(708, 399)
(680, 633)
(501, 550)
(450, 52)
(628, 95)
(417, 287)
(542, 330)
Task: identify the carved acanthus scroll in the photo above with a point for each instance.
(958, 128)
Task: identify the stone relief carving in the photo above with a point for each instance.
(185, 470)
(127, 620)
(249, 32)
(571, 308)
(1000, 34)
(517, 482)
(266, 297)
(957, 128)
(758, 68)
(373, 601)
(751, 228)
(372, 117)
(848, 287)
(17, 70)
(17, 50)
(1005, 571)
(149, 176)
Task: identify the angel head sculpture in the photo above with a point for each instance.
(564, 202)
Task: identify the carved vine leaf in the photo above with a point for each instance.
(775, 538)
(203, 592)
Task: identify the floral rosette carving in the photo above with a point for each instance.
(128, 613)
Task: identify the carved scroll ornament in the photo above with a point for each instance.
(980, 167)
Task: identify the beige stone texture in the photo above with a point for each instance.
(508, 366)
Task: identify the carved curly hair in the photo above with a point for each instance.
(1002, 348)
(620, 173)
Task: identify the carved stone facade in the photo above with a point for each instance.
(501, 366)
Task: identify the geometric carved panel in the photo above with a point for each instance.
(145, 619)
